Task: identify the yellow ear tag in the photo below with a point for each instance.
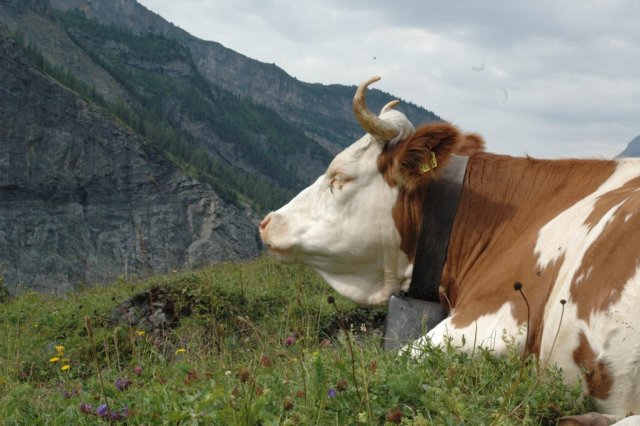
(433, 163)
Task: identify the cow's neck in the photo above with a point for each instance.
(504, 203)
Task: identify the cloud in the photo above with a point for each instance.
(543, 78)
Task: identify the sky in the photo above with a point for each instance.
(545, 78)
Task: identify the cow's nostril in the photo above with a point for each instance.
(265, 222)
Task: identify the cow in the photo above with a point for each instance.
(567, 229)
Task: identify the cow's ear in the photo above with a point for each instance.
(423, 156)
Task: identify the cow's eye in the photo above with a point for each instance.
(338, 180)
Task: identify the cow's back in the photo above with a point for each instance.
(569, 231)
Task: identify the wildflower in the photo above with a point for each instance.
(289, 340)
(123, 384)
(70, 393)
(244, 375)
(191, 376)
(140, 333)
(394, 416)
(137, 369)
(265, 361)
(362, 417)
(65, 367)
(287, 405)
(102, 410)
(332, 393)
(180, 351)
(55, 359)
(59, 350)
(86, 408)
(119, 415)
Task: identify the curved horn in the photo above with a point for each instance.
(370, 122)
(390, 105)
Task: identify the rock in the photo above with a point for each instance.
(83, 200)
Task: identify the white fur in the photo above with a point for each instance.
(492, 331)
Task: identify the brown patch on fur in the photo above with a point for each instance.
(599, 380)
(596, 289)
(504, 203)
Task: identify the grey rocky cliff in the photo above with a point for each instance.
(83, 199)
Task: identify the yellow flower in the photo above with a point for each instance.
(55, 359)
(180, 351)
(140, 333)
(60, 350)
(65, 367)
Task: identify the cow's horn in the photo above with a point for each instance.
(370, 122)
(389, 106)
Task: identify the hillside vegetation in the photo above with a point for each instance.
(246, 344)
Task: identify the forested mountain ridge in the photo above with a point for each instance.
(194, 142)
(323, 112)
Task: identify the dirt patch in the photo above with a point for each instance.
(360, 322)
(152, 311)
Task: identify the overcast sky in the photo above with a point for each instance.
(545, 78)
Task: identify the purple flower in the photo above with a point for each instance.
(332, 393)
(137, 369)
(102, 410)
(289, 341)
(86, 408)
(120, 415)
(123, 384)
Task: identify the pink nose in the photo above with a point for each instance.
(264, 223)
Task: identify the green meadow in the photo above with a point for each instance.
(254, 343)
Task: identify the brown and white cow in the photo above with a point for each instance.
(569, 230)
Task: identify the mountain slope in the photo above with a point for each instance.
(245, 150)
(632, 149)
(84, 199)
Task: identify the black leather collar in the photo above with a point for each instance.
(441, 204)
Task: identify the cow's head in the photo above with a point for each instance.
(351, 224)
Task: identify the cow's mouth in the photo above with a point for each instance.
(283, 255)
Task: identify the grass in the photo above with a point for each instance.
(251, 343)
